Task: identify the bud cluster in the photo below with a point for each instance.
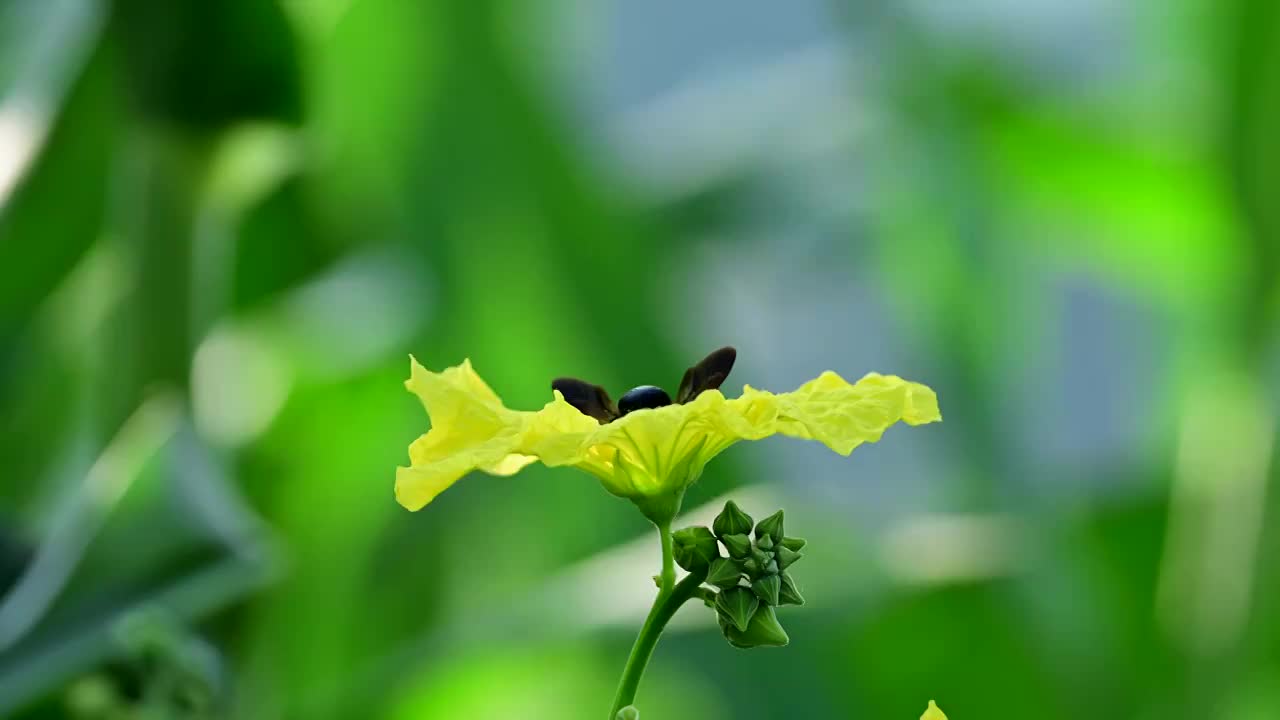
(750, 579)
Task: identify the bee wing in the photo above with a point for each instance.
(706, 375)
(591, 400)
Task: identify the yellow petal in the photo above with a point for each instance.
(470, 429)
(647, 453)
(843, 416)
(933, 713)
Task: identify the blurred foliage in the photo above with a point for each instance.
(223, 227)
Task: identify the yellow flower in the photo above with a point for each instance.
(933, 713)
(648, 455)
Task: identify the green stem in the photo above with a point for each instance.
(670, 598)
(668, 559)
(663, 608)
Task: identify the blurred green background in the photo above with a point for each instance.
(225, 225)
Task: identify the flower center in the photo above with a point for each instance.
(645, 396)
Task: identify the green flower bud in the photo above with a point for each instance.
(732, 521)
(766, 588)
(751, 566)
(739, 546)
(695, 548)
(788, 594)
(770, 526)
(736, 606)
(786, 556)
(793, 544)
(724, 573)
(771, 567)
(763, 631)
(765, 543)
(628, 713)
(761, 557)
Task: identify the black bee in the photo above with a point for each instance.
(592, 400)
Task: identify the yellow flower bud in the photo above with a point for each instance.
(933, 713)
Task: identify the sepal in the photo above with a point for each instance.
(695, 548)
(763, 631)
(788, 593)
(794, 544)
(739, 546)
(766, 588)
(786, 556)
(736, 606)
(724, 573)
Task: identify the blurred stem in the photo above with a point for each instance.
(154, 342)
(670, 598)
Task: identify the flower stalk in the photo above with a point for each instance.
(671, 596)
(668, 558)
